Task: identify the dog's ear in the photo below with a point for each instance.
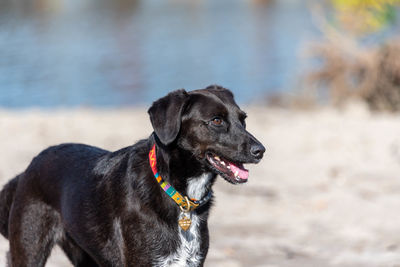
(221, 91)
(165, 115)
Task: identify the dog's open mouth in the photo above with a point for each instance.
(232, 172)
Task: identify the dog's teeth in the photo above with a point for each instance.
(229, 167)
(223, 163)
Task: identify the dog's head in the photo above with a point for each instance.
(210, 125)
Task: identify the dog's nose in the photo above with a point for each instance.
(257, 151)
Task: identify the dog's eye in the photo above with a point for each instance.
(217, 121)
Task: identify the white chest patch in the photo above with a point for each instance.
(198, 186)
(188, 252)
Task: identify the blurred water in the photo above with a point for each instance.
(124, 52)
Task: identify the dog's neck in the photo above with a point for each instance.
(173, 165)
(198, 187)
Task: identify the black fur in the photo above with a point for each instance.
(106, 208)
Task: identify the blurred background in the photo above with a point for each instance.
(57, 53)
(126, 52)
(319, 79)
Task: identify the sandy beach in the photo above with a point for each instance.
(326, 194)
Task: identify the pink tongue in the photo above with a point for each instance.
(243, 174)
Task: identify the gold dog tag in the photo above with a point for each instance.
(185, 223)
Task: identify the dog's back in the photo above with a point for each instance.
(44, 177)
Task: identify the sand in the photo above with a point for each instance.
(326, 194)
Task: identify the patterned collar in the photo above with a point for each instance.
(183, 202)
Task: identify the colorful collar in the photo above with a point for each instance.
(183, 202)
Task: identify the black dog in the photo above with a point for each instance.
(131, 207)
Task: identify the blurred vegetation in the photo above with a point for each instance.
(349, 66)
(363, 16)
